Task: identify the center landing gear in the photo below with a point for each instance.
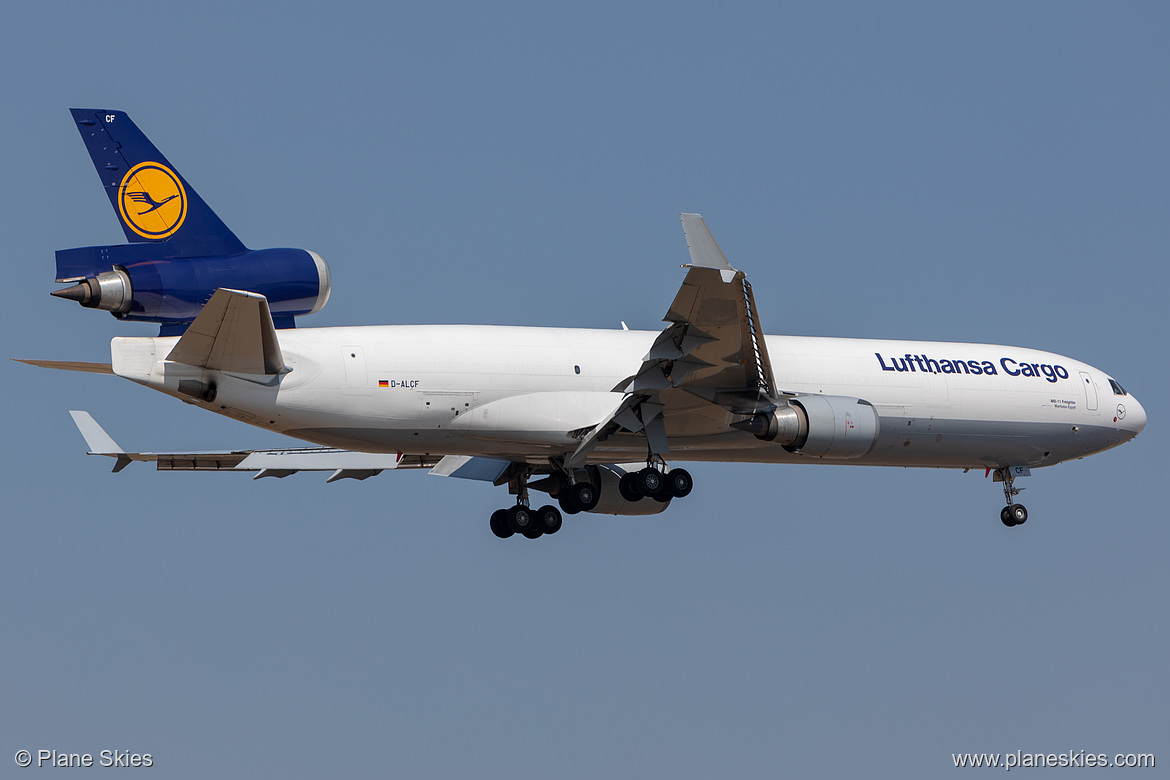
(1012, 514)
(522, 519)
(530, 523)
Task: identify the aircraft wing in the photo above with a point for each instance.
(707, 369)
(344, 464)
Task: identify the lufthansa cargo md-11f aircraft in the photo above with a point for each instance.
(594, 418)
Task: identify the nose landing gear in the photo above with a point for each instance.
(1013, 514)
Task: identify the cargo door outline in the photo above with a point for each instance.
(354, 361)
(1090, 391)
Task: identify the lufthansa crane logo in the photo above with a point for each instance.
(152, 201)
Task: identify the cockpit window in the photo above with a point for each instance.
(1117, 389)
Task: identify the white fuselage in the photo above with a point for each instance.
(517, 392)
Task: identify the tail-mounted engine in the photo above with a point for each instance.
(822, 426)
(133, 283)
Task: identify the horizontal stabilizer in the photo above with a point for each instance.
(234, 333)
(71, 365)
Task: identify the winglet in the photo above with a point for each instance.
(99, 442)
(705, 251)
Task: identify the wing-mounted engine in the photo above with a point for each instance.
(820, 426)
(179, 252)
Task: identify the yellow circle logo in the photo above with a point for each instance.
(152, 200)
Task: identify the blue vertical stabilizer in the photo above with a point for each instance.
(152, 201)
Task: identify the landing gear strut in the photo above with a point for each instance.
(1012, 514)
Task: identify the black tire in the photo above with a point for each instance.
(649, 481)
(499, 524)
(568, 501)
(652, 482)
(1006, 517)
(532, 533)
(520, 518)
(680, 483)
(548, 519)
(1019, 514)
(586, 495)
(628, 486)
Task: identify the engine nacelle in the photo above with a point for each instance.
(606, 478)
(133, 283)
(822, 426)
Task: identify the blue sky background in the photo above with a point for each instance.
(989, 172)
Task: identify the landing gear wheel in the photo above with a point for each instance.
(520, 519)
(1019, 514)
(652, 483)
(585, 495)
(680, 483)
(1006, 517)
(499, 523)
(568, 501)
(628, 487)
(532, 533)
(548, 519)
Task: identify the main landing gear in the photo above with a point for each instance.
(1012, 514)
(652, 483)
(582, 495)
(578, 497)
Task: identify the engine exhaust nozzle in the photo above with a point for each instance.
(111, 291)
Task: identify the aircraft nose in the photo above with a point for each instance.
(1131, 416)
